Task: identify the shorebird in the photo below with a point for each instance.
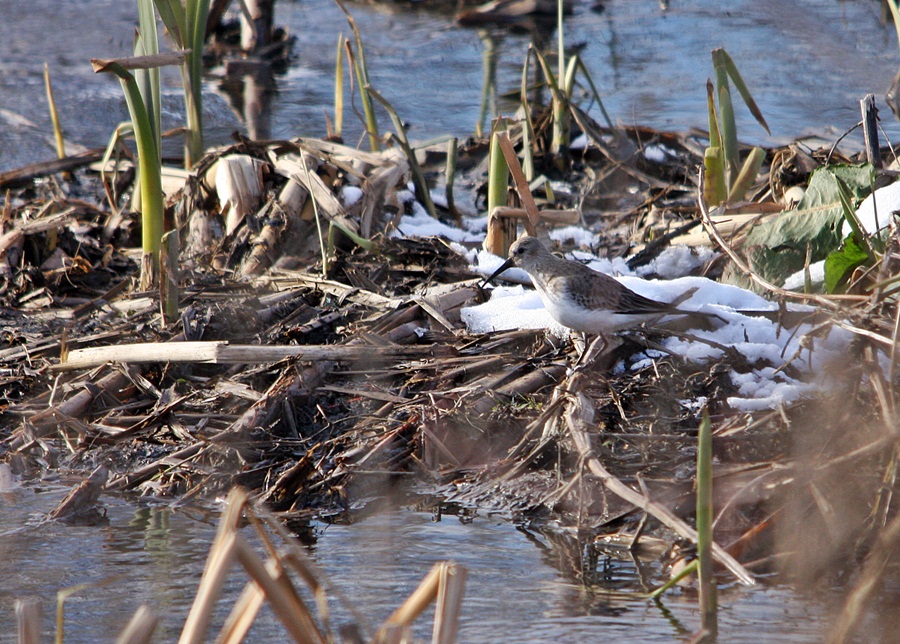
(582, 299)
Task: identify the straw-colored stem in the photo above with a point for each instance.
(54, 115)
(339, 87)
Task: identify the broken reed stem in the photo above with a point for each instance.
(28, 620)
(221, 352)
(444, 584)
(168, 276)
(450, 177)
(140, 627)
(218, 564)
(515, 169)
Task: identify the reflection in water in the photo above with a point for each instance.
(250, 88)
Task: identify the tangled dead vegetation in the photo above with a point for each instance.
(326, 388)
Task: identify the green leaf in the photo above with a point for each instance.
(747, 175)
(840, 264)
(721, 60)
(778, 248)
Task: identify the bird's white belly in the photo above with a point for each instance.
(579, 318)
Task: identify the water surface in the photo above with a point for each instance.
(807, 63)
(517, 591)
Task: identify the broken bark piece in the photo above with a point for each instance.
(80, 505)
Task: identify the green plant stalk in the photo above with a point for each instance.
(527, 126)
(368, 108)
(186, 24)
(715, 139)
(146, 43)
(722, 60)
(559, 144)
(728, 132)
(852, 220)
(152, 206)
(498, 171)
(596, 94)
(715, 192)
(489, 80)
(706, 575)
(560, 41)
(421, 185)
(197, 12)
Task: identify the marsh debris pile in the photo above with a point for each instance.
(381, 393)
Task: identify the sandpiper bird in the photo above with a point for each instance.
(582, 299)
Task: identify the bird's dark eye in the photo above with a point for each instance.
(519, 250)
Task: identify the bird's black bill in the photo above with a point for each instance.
(507, 264)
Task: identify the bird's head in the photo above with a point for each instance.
(523, 253)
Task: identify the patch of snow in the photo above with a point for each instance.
(797, 281)
(421, 224)
(658, 153)
(578, 235)
(511, 308)
(677, 261)
(875, 212)
(350, 195)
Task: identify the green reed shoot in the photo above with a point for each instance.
(727, 179)
(562, 89)
(358, 62)
(152, 204)
(706, 575)
(185, 20)
(498, 171)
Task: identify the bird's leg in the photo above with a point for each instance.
(594, 350)
(579, 341)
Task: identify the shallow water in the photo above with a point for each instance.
(516, 589)
(806, 62)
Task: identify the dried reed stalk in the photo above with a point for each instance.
(221, 352)
(140, 627)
